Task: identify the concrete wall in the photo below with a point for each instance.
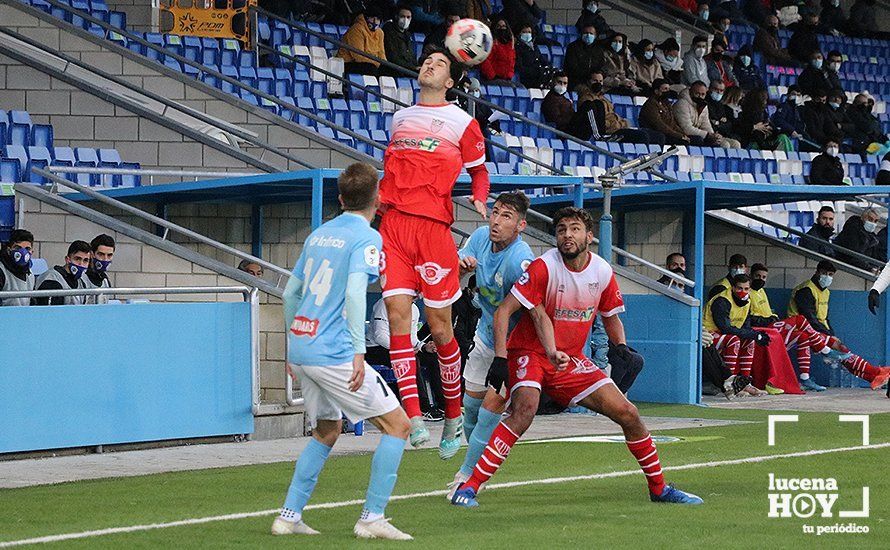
(566, 12)
(140, 15)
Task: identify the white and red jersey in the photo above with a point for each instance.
(572, 300)
(430, 144)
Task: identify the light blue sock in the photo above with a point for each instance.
(488, 421)
(308, 467)
(384, 471)
(471, 414)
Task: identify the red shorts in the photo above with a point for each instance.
(568, 386)
(419, 257)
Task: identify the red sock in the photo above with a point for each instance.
(861, 368)
(502, 440)
(646, 454)
(404, 365)
(449, 368)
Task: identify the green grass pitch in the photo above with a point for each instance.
(594, 513)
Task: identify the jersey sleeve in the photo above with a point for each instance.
(520, 263)
(365, 257)
(472, 145)
(531, 287)
(611, 301)
(470, 248)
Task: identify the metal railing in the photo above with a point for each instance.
(181, 175)
(249, 294)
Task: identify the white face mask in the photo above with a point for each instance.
(648, 54)
(699, 52)
(835, 66)
(869, 226)
(832, 151)
(592, 8)
(404, 23)
(560, 89)
(825, 280)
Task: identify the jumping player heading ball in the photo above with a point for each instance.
(432, 142)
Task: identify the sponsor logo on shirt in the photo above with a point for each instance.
(574, 315)
(427, 144)
(303, 326)
(436, 125)
(327, 242)
(432, 273)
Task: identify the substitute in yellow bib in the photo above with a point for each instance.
(726, 316)
(738, 265)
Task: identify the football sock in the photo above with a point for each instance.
(404, 366)
(502, 440)
(646, 454)
(861, 368)
(449, 368)
(471, 414)
(384, 471)
(488, 421)
(306, 472)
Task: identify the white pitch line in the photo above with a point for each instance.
(506, 485)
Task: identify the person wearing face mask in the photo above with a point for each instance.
(811, 299)
(500, 65)
(738, 265)
(819, 122)
(611, 60)
(813, 76)
(691, 112)
(859, 235)
(101, 256)
(695, 68)
(832, 67)
(668, 56)
(727, 317)
(805, 39)
(766, 41)
(719, 66)
(533, 69)
(720, 115)
(753, 125)
(837, 111)
(66, 277)
(364, 35)
(557, 109)
(704, 11)
(597, 120)
(788, 118)
(746, 72)
(591, 17)
(578, 61)
(657, 114)
(866, 126)
(644, 65)
(820, 235)
(15, 266)
(827, 168)
(398, 40)
(832, 19)
(721, 24)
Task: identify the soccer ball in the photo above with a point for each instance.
(469, 41)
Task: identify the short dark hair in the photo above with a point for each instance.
(826, 209)
(79, 246)
(835, 53)
(759, 267)
(357, 186)
(671, 255)
(101, 240)
(456, 68)
(20, 235)
(826, 265)
(739, 279)
(403, 6)
(571, 212)
(697, 84)
(517, 200)
(738, 259)
(658, 83)
(700, 38)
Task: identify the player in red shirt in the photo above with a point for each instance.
(431, 143)
(562, 292)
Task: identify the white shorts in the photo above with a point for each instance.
(476, 368)
(327, 397)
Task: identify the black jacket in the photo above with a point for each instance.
(530, 65)
(399, 46)
(578, 62)
(518, 12)
(720, 309)
(812, 79)
(854, 237)
(820, 127)
(818, 240)
(721, 116)
(826, 170)
(831, 18)
(803, 43)
(596, 20)
(806, 305)
(866, 127)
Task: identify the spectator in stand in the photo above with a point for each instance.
(753, 127)
(704, 11)
(837, 110)
(521, 12)
(820, 234)
(863, 21)
(15, 266)
(732, 98)
(425, 15)
(726, 8)
(658, 115)
(720, 66)
(364, 35)
(883, 177)
(66, 277)
(452, 14)
(813, 76)
(866, 126)
(599, 112)
(557, 108)
(533, 69)
(835, 60)
(816, 116)
(827, 168)
(721, 116)
(102, 247)
(756, 11)
(591, 17)
(668, 56)
(644, 66)
(691, 112)
(805, 39)
(859, 235)
(398, 41)
(579, 57)
(746, 72)
(501, 62)
(721, 25)
(482, 113)
(788, 118)
(695, 68)
(832, 19)
(480, 10)
(675, 263)
(611, 60)
(766, 41)
(251, 267)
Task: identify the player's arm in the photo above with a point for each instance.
(355, 310)
(544, 330)
(467, 256)
(293, 293)
(614, 330)
(472, 148)
(501, 324)
(881, 284)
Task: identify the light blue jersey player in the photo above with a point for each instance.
(324, 315)
(499, 256)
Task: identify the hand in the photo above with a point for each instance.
(762, 339)
(358, 373)
(290, 372)
(498, 374)
(480, 208)
(559, 359)
(468, 264)
(429, 347)
(874, 301)
(624, 353)
(795, 135)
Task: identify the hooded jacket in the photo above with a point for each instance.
(360, 37)
(692, 121)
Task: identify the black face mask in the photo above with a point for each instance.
(596, 87)
(503, 35)
(757, 284)
(825, 232)
(700, 101)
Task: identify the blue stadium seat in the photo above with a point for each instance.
(10, 170)
(4, 128)
(117, 19)
(86, 157)
(38, 157)
(128, 180)
(191, 46)
(19, 154)
(19, 128)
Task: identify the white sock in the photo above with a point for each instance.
(290, 515)
(804, 376)
(825, 350)
(369, 516)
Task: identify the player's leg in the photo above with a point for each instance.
(404, 362)
(728, 346)
(878, 376)
(475, 372)
(746, 357)
(490, 412)
(797, 330)
(607, 399)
